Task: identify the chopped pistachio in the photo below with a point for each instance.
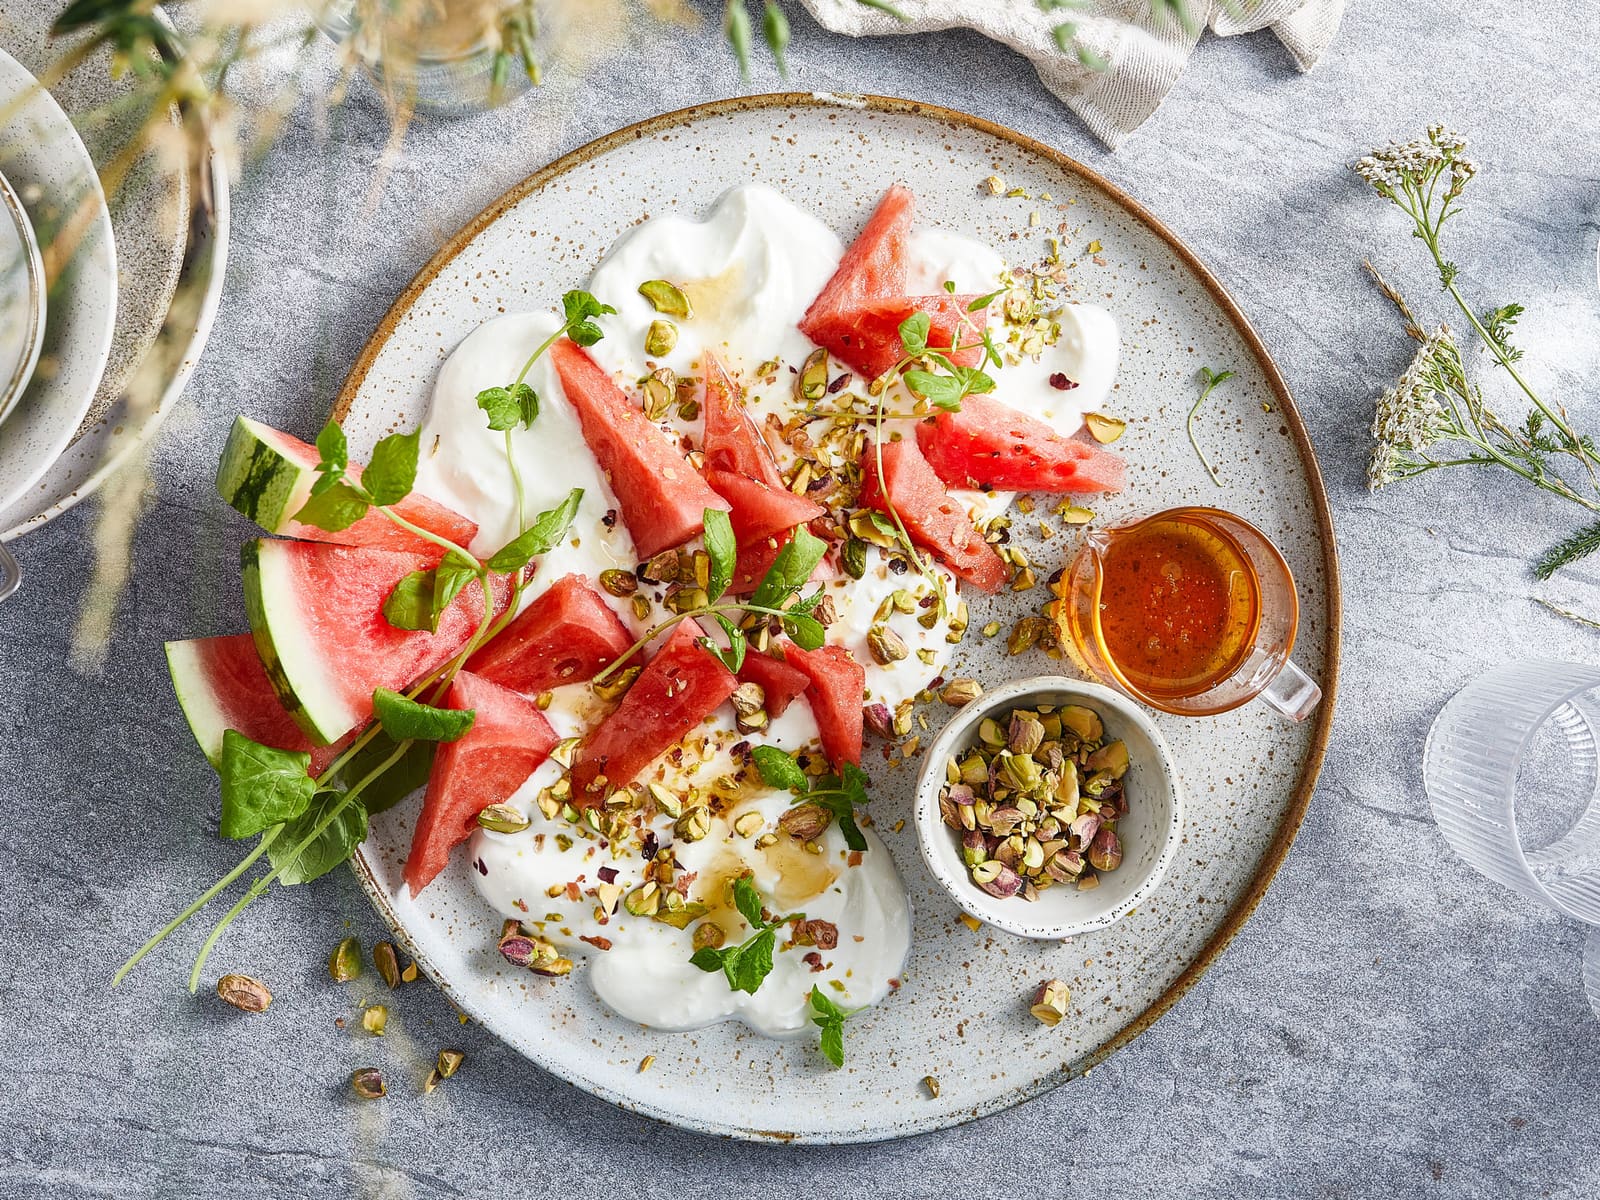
(1050, 1002)
(666, 298)
(619, 583)
(812, 381)
(885, 645)
(931, 1082)
(959, 692)
(660, 339)
(708, 934)
(749, 824)
(645, 1063)
(449, 1063)
(692, 826)
(374, 1019)
(503, 818)
(387, 962)
(1104, 429)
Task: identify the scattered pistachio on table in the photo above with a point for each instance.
(344, 964)
(387, 962)
(367, 1082)
(1035, 800)
(245, 993)
(375, 1019)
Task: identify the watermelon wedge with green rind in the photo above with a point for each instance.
(731, 441)
(508, 740)
(222, 685)
(678, 688)
(867, 338)
(267, 475)
(872, 269)
(936, 520)
(662, 497)
(316, 611)
(837, 693)
(989, 444)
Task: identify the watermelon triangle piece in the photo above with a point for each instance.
(867, 338)
(316, 611)
(731, 441)
(267, 475)
(565, 636)
(836, 692)
(781, 682)
(508, 740)
(680, 687)
(662, 498)
(755, 559)
(222, 685)
(988, 444)
(759, 510)
(873, 268)
(935, 520)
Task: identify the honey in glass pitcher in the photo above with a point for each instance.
(1192, 611)
(1179, 604)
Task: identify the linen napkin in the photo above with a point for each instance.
(1143, 53)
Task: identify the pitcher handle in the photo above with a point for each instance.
(10, 573)
(1292, 692)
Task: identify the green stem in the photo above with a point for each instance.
(655, 631)
(195, 906)
(1194, 412)
(516, 487)
(426, 535)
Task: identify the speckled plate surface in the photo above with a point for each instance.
(962, 1012)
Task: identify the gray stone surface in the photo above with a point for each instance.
(1389, 1023)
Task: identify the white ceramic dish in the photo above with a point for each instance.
(47, 163)
(963, 992)
(1150, 833)
(22, 299)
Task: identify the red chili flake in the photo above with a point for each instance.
(855, 858)
(572, 891)
(599, 943)
(1061, 383)
(894, 983)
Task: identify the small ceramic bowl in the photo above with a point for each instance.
(1150, 832)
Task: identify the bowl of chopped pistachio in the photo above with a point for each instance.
(1050, 807)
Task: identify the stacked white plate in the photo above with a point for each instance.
(114, 268)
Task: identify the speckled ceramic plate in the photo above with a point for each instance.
(962, 1012)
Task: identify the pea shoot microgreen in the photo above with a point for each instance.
(837, 794)
(1209, 380)
(746, 965)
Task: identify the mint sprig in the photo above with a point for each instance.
(261, 786)
(747, 965)
(830, 1018)
(838, 795)
(405, 719)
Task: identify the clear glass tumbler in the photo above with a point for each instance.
(1512, 772)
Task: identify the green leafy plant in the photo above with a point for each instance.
(1209, 382)
(830, 1018)
(1435, 416)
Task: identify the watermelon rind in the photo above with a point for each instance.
(199, 701)
(273, 605)
(259, 478)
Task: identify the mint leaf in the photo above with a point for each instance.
(450, 577)
(748, 901)
(731, 656)
(392, 471)
(501, 406)
(942, 390)
(543, 536)
(261, 786)
(410, 605)
(779, 770)
(330, 847)
(578, 307)
(830, 1018)
(974, 381)
(914, 332)
(722, 549)
(334, 450)
(805, 631)
(983, 302)
(844, 812)
(406, 720)
(336, 507)
(790, 569)
(753, 964)
(527, 403)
